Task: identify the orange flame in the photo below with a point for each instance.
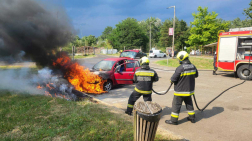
(82, 79)
(39, 87)
(48, 85)
(48, 94)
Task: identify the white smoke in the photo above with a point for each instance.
(18, 80)
(25, 80)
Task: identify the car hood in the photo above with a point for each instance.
(103, 74)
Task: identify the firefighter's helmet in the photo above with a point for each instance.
(182, 55)
(144, 61)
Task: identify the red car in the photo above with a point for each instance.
(116, 71)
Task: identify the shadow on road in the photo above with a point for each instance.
(205, 114)
(225, 74)
(199, 115)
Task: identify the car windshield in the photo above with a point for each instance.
(104, 65)
(128, 54)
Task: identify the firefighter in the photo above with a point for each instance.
(120, 52)
(184, 84)
(214, 64)
(144, 78)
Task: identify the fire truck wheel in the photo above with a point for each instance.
(244, 73)
(107, 85)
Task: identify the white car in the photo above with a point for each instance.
(156, 53)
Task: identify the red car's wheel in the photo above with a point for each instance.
(107, 85)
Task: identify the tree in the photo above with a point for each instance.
(165, 40)
(205, 27)
(248, 12)
(155, 24)
(128, 33)
(182, 32)
(238, 23)
(106, 32)
(180, 36)
(89, 40)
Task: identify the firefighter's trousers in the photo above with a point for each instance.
(134, 97)
(176, 105)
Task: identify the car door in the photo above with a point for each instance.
(160, 53)
(126, 77)
(123, 77)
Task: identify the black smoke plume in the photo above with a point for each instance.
(26, 25)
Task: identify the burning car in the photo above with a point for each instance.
(116, 71)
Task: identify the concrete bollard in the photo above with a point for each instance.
(146, 119)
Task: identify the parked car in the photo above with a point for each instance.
(116, 71)
(175, 54)
(133, 54)
(156, 53)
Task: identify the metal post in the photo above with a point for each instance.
(73, 52)
(150, 36)
(124, 47)
(173, 30)
(150, 33)
(94, 50)
(173, 34)
(84, 50)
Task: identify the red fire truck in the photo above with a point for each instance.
(234, 52)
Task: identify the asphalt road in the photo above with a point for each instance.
(227, 119)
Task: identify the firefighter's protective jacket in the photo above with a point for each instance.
(184, 79)
(144, 77)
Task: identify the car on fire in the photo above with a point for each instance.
(133, 54)
(116, 71)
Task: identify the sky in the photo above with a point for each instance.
(91, 17)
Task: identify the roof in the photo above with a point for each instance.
(117, 59)
(131, 51)
(211, 45)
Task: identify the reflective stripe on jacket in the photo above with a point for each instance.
(184, 79)
(144, 78)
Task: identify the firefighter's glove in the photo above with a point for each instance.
(171, 82)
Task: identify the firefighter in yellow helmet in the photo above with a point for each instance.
(184, 84)
(144, 78)
(120, 52)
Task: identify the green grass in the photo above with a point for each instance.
(83, 56)
(17, 66)
(200, 63)
(27, 117)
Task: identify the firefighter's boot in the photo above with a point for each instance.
(192, 120)
(171, 122)
(128, 113)
(214, 73)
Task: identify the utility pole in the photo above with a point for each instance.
(173, 30)
(150, 33)
(73, 50)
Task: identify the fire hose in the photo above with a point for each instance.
(195, 98)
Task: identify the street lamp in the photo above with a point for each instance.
(150, 33)
(173, 30)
